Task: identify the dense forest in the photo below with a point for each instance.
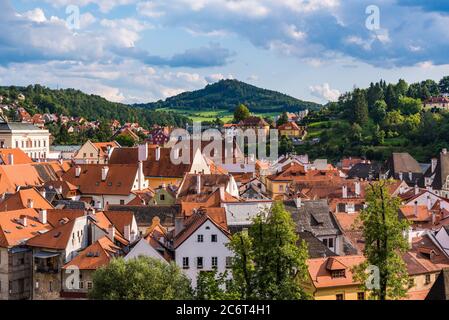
(227, 94)
(381, 119)
(71, 102)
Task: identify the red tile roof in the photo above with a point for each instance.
(21, 199)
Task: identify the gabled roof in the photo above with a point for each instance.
(144, 214)
(95, 256)
(57, 217)
(56, 238)
(209, 183)
(321, 276)
(21, 198)
(216, 215)
(119, 180)
(13, 232)
(120, 219)
(316, 248)
(19, 157)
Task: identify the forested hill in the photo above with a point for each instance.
(227, 94)
(71, 102)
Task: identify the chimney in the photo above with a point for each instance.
(104, 173)
(298, 202)
(410, 175)
(111, 232)
(434, 163)
(433, 218)
(44, 193)
(357, 188)
(43, 216)
(158, 153)
(23, 220)
(140, 177)
(59, 190)
(444, 151)
(429, 203)
(61, 161)
(344, 192)
(416, 190)
(401, 190)
(11, 158)
(400, 176)
(179, 224)
(77, 171)
(222, 193)
(416, 209)
(30, 203)
(127, 231)
(198, 183)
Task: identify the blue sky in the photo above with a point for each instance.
(141, 51)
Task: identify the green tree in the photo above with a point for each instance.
(268, 262)
(241, 113)
(378, 136)
(125, 141)
(379, 111)
(285, 145)
(409, 106)
(212, 285)
(444, 85)
(142, 278)
(385, 243)
(359, 107)
(391, 97)
(283, 119)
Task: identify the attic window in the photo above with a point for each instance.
(57, 234)
(97, 183)
(338, 274)
(119, 184)
(109, 184)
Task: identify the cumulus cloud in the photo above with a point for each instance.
(217, 77)
(212, 55)
(325, 92)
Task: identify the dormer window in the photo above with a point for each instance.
(338, 274)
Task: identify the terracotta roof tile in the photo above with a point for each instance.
(21, 199)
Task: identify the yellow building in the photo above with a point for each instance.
(331, 278)
(291, 130)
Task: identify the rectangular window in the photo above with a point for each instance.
(228, 262)
(339, 296)
(360, 295)
(50, 286)
(200, 238)
(214, 262)
(162, 197)
(428, 278)
(213, 238)
(281, 188)
(185, 262)
(199, 262)
(81, 285)
(122, 202)
(89, 285)
(338, 274)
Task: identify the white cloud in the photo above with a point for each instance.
(217, 77)
(325, 92)
(36, 15)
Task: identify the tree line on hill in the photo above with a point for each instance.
(381, 119)
(71, 102)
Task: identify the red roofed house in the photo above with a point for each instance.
(97, 152)
(200, 242)
(15, 258)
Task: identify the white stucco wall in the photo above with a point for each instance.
(207, 249)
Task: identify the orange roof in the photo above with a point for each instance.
(103, 147)
(13, 233)
(56, 238)
(19, 157)
(424, 257)
(56, 217)
(216, 215)
(321, 276)
(418, 213)
(120, 219)
(20, 200)
(102, 221)
(95, 256)
(204, 201)
(119, 180)
(14, 176)
(289, 126)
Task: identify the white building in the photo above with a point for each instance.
(33, 141)
(201, 246)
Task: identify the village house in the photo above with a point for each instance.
(316, 218)
(255, 123)
(292, 130)
(403, 167)
(16, 227)
(30, 139)
(95, 152)
(331, 278)
(437, 176)
(101, 185)
(14, 156)
(200, 243)
(437, 103)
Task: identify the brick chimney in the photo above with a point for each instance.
(77, 171)
(104, 173)
(43, 216)
(111, 232)
(11, 158)
(344, 192)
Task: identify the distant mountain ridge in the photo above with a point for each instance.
(227, 94)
